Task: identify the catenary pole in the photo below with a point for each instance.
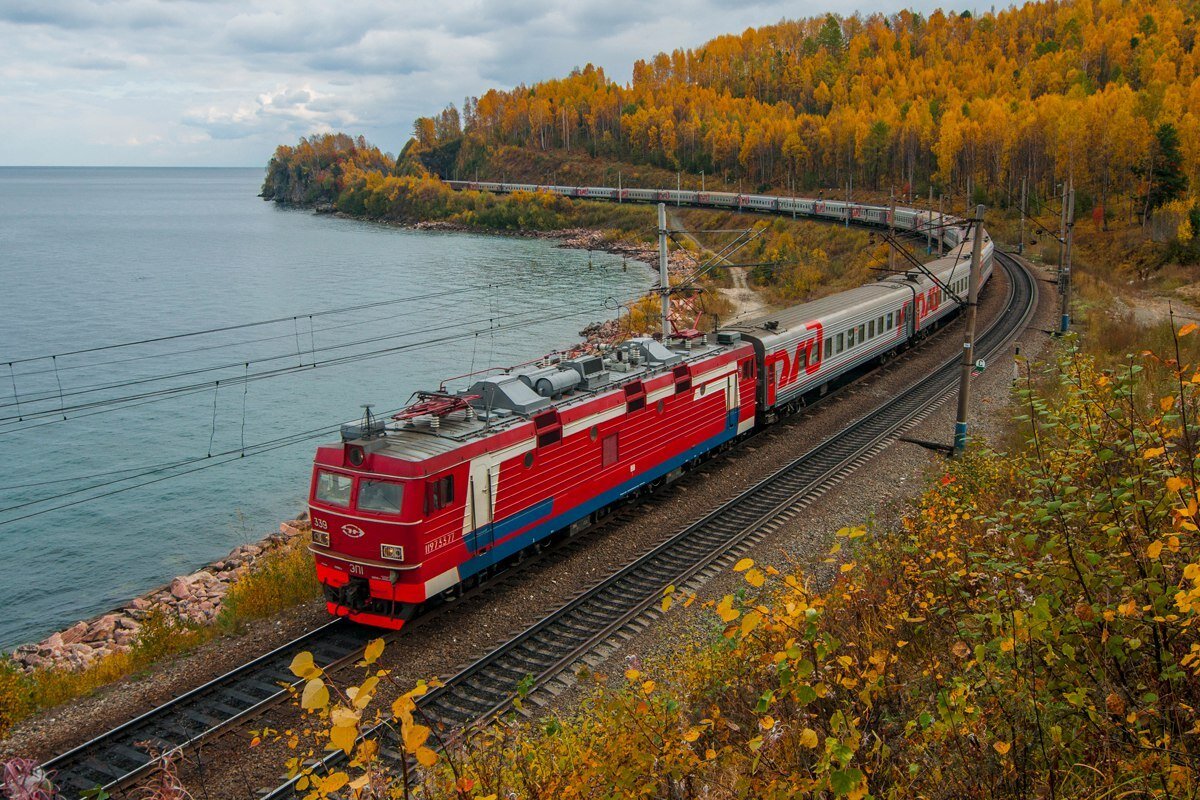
(968, 355)
(1065, 322)
(941, 221)
(1021, 241)
(664, 279)
(891, 231)
(929, 224)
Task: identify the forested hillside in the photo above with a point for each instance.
(1045, 91)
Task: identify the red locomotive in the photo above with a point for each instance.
(457, 483)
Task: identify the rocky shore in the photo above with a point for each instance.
(679, 262)
(194, 599)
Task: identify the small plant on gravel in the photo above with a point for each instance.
(164, 783)
(25, 780)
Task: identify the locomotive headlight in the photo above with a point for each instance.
(392, 551)
(321, 538)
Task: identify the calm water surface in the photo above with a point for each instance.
(92, 257)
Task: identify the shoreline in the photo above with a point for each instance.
(194, 599)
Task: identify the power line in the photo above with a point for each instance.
(261, 375)
(245, 325)
(204, 462)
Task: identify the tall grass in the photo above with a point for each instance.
(283, 579)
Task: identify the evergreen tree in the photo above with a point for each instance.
(1167, 179)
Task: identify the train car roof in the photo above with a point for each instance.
(797, 316)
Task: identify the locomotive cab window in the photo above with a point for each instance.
(333, 489)
(384, 496)
(440, 493)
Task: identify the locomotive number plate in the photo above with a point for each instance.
(439, 543)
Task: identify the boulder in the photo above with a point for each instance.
(102, 628)
(181, 589)
(75, 633)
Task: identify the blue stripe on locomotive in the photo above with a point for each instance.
(515, 522)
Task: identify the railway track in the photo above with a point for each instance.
(116, 760)
(625, 602)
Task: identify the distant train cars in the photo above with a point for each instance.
(437, 497)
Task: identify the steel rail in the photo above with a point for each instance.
(546, 650)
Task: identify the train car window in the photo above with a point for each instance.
(828, 345)
(879, 326)
(841, 341)
(871, 329)
(889, 320)
(849, 339)
(862, 329)
(441, 493)
(748, 369)
(382, 496)
(610, 450)
(333, 488)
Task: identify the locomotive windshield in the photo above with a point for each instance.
(333, 488)
(380, 496)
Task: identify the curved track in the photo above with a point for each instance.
(548, 650)
(115, 760)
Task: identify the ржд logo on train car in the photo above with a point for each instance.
(808, 353)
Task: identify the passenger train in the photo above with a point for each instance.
(440, 495)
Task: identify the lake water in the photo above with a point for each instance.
(96, 257)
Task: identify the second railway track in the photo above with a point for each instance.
(548, 650)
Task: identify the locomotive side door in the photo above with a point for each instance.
(484, 480)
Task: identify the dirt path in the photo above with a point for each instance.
(742, 295)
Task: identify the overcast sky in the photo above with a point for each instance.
(222, 82)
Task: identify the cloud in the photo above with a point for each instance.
(77, 14)
(297, 110)
(223, 81)
(96, 61)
